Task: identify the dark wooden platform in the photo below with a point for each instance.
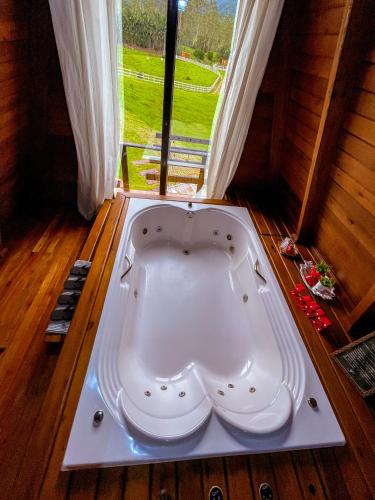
(41, 386)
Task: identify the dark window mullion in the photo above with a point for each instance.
(170, 57)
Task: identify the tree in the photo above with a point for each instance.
(199, 54)
(144, 23)
(202, 26)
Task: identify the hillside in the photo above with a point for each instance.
(227, 6)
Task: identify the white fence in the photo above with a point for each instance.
(202, 65)
(160, 81)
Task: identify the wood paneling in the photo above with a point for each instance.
(314, 41)
(254, 167)
(346, 228)
(14, 101)
(53, 173)
(258, 163)
(37, 152)
(327, 165)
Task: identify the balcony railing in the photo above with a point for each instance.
(201, 165)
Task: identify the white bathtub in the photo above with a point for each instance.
(196, 352)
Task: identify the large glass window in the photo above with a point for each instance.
(201, 49)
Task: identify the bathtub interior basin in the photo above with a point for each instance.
(196, 352)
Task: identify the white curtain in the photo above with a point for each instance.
(85, 32)
(254, 31)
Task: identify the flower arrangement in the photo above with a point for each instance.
(318, 278)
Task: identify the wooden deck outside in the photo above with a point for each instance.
(41, 387)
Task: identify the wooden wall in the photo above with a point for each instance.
(326, 177)
(346, 230)
(314, 41)
(311, 142)
(53, 175)
(37, 152)
(289, 104)
(14, 100)
(256, 168)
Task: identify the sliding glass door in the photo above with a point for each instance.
(172, 67)
(141, 68)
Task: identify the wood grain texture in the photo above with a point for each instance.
(346, 224)
(29, 285)
(351, 41)
(338, 387)
(327, 160)
(41, 442)
(314, 37)
(14, 103)
(53, 159)
(258, 164)
(37, 152)
(334, 473)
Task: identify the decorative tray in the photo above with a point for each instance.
(323, 286)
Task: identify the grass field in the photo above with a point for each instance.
(143, 102)
(151, 64)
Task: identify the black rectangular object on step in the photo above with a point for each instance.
(69, 297)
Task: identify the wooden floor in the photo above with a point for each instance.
(41, 386)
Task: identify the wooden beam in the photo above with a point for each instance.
(363, 308)
(343, 72)
(125, 168)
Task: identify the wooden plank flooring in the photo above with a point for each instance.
(41, 386)
(40, 251)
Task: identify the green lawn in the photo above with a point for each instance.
(149, 63)
(192, 114)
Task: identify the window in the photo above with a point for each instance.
(172, 66)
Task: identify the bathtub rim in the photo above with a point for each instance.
(336, 439)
